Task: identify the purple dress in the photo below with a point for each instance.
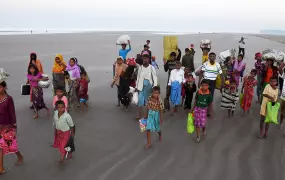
(8, 141)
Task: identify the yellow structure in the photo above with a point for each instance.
(170, 44)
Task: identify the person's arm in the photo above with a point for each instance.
(211, 109)
(201, 75)
(192, 110)
(281, 68)
(130, 47)
(194, 88)
(166, 66)
(70, 124)
(64, 99)
(12, 112)
(242, 86)
(266, 93)
(138, 77)
(154, 76)
(170, 78)
(222, 75)
(184, 61)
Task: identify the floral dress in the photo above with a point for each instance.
(249, 84)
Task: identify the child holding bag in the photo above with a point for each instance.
(154, 115)
(270, 94)
(203, 102)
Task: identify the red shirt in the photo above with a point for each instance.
(83, 89)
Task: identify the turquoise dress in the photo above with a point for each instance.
(153, 121)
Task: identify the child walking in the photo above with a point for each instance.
(83, 91)
(230, 97)
(190, 88)
(154, 115)
(60, 96)
(270, 94)
(203, 102)
(248, 90)
(64, 129)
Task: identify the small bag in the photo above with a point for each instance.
(25, 89)
(135, 98)
(69, 147)
(143, 123)
(272, 112)
(190, 123)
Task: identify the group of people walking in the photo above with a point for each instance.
(227, 76)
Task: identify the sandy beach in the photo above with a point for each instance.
(109, 145)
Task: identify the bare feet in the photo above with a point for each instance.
(147, 146)
(2, 171)
(20, 161)
(36, 116)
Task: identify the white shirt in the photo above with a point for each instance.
(146, 73)
(149, 46)
(176, 75)
(241, 45)
(64, 123)
(211, 71)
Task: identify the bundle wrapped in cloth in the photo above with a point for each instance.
(273, 54)
(124, 39)
(206, 43)
(3, 75)
(223, 55)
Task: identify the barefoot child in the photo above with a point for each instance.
(190, 89)
(154, 115)
(175, 82)
(60, 96)
(83, 91)
(64, 129)
(203, 102)
(270, 94)
(230, 97)
(248, 90)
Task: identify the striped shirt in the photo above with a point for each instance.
(211, 71)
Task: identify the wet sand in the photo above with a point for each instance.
(109, 145)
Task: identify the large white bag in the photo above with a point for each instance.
(135, 99)
(274, 54)
(206, 42)
(124, 39)
(223, 55)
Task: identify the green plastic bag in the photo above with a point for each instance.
(190, 123)
(240, 98)
(272, 112)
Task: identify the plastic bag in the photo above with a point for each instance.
(274, 54)
(143, 123)
(272, 112)
(132, 90)
(206, 42)
(240, 98)
(190, 123)
(124, 39)
(135, 98)
(218, 82)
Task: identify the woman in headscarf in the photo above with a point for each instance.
(239, 66)
(82, 69)
(8, 127)
(58, 70)
(34, 60)
(34, 76)
(73, 81)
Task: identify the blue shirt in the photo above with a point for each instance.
(124, 53)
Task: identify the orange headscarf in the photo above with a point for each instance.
(56, 67)
(38, 63)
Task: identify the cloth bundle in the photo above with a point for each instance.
(124, 39)
(3, 75)
(223, 55)
(273, 54)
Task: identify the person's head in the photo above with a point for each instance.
(242, 38)
(258, 56)
(187, 51)
(205, 51)
(233, 84)
(253, 72)
(204, 84)
(60, 106)
(146, 59)
(186, 70)
(273, 81)
(72, 62)
(145, 47)
(178, 65)
(212, 57)
(173, 55)
(155, 91)
(190, 77)
(83, 75)
(139, 59)
(228, 60)
(33, 70)
(33, 58)
(269, 62)
(153, 58)
(3, 87)
(124, 46)
(59, 92)
(120, 60)
(240, 57)
(58, 58)
(147, 41)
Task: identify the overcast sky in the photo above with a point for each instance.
(176, 15)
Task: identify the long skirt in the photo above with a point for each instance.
(144, 93)
(153, 121)
(72, 93)
(175, 94)
(247, 99)
(58, 81)
(200, 117)
(60, 141)
(258, 88)
(38, 99)
(8, 140)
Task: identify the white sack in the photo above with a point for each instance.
(206, 42)
(124, 39)
(135, 99)
(223, 55)
(274, 54)
(132, 90)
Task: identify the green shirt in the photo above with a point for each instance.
(203, 100)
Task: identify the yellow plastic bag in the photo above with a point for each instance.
(190, 123)
(240, 98)
(218, 82)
